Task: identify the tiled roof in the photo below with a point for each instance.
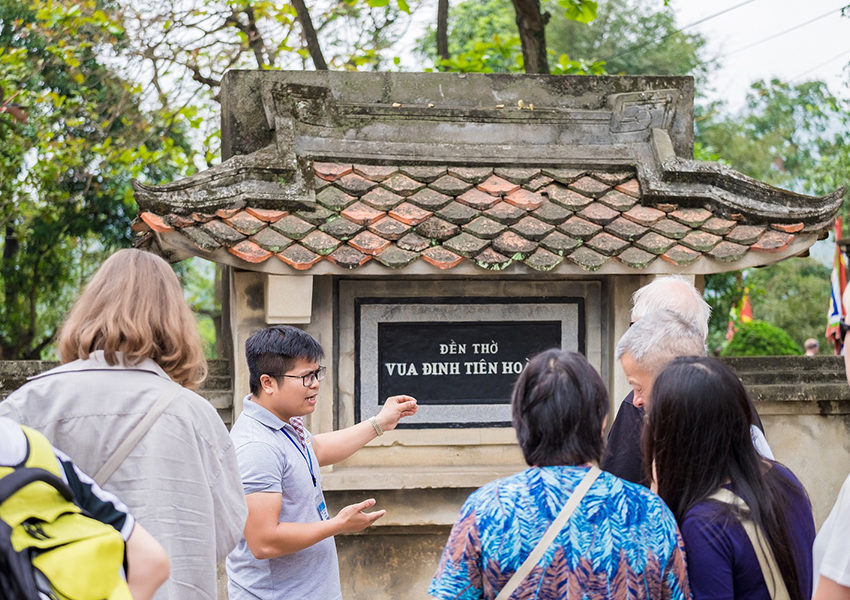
(544, 218)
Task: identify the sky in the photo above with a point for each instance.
(760, 39)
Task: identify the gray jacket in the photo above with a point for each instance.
(181, 481)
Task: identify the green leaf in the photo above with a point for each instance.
(582, 11)
(403, 6)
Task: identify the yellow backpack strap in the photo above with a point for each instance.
(40, 452)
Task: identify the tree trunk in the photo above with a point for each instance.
(531, 24)
(310, 36)
(443, 29)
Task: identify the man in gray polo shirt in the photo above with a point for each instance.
(288, 549)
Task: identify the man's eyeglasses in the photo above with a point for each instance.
(309, 378)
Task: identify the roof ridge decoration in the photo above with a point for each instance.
(398, 154)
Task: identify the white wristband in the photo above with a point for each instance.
(375, 426)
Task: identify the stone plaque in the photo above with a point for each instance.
(458, 357)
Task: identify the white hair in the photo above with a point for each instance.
(659, 337)
(676, 294)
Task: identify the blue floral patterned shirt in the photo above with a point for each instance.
(621, 541)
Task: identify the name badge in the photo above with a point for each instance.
(321, 507)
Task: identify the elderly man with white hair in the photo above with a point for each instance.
(669, 319)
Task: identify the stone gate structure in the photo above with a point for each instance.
(432, 231)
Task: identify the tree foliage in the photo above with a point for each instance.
(759, 338)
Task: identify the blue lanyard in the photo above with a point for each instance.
(304, 455)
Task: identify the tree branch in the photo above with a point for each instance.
(310, 37)
(443, 29)
(531, 24)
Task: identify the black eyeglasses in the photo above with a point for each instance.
(309, 378)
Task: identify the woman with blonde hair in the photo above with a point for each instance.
(121, 406)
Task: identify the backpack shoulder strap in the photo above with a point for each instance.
(40, 453)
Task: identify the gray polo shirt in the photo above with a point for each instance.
(272, 459)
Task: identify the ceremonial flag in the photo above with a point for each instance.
(742, 313)
(838, 282)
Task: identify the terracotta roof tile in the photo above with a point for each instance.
(320, 243)
(543, 260)
(728, 251)
(579, 228)
(626, 229)
(180, 221)
(745, 234)
(424, 174)
(635, 258)
(222, 232)
(485, 228)
(466, 245)
(587, 259)
(618, 200)
(680, 256)
(331, 171)
(512, 245)
(522, 198)
(413, 242)
(538, 182)
(347, 257)
(396, 258)
(599, 214)
(201, 217)
(315, 215)
(505, 213)
(138, 226)
(271, 240)
(532, 229)
(341, 228)
(155, 222)
(368, 243)
(334, 199)
(477, 199)
(409, 213)
(441, 258)
(457, 213)
(718, 226)
(402, 185)
(789, 228)
(361, 214)
(567, 198)
(436, 228)
(607, 244)
(701, 241)
(471, 174)
(497, 186)
(692, 217)
(667, 208)
(293, 227)
(245, 223)
(515, 175)
(552, 213)
(375, 172)
(559, 243)
(654, 243)
(354, 184)
(249, 252)
(773, 241)
(644, 215)
(389, 228)
(565, 176)
(492, 260)
(267, 215)
(589, 186)
(429, 199)
(450, 185)
(381, 199)
(630, 187)
(226, 213)
(200, 238)
(671, 229)
(298, 257)
(613, 177)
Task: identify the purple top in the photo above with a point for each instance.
(721, 561)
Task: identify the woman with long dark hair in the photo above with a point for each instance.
(698, 446)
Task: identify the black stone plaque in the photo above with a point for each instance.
(456, 363)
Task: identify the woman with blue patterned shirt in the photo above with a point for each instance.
(621, 541)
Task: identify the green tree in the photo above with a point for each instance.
(65, 173)
(759, 338)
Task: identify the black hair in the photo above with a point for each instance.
(558, 406)
(274, 350)
(698, 436)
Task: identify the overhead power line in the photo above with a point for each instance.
(789, 30)
(681, 29)
(819, 65)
